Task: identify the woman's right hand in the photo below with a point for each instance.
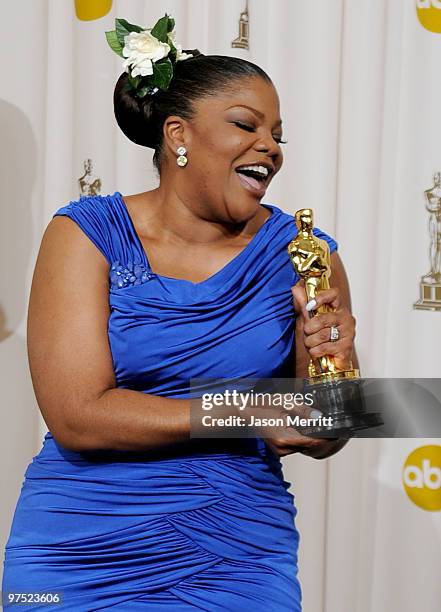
(319, 448)
(267, 420)
(285, 439)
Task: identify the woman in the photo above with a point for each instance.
(137, 296)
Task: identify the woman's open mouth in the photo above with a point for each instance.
(254, 178)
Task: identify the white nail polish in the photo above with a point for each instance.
(315, 414)
(311, 305)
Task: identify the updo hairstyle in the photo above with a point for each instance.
(142, 119)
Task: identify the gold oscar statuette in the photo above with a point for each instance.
(337, 393)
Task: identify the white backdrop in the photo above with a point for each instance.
(360, 95)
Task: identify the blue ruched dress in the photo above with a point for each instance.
(212, 529)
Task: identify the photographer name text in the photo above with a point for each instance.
(253, 421)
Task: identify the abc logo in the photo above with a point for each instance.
(422, 477)
(92, 9)
(429, 14)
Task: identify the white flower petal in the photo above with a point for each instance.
(145, 67)
(145, 71)
(183, 56)
(141, 49)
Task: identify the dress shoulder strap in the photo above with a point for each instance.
(100, 219)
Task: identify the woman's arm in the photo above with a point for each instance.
(339, 281)
(70, 358)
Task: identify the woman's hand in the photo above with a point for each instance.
(316, 330)
(312, 339)
(319, 448)
(287, 440)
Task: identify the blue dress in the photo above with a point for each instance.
(212, 529)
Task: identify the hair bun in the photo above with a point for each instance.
(134, 115)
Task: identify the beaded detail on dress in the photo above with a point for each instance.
(123, 275)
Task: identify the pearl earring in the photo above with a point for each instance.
(182, 159)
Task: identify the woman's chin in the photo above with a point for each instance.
(242, 210)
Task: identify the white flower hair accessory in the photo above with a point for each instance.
(149, 54)
(141, 50)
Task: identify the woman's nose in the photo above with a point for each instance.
(268, 145)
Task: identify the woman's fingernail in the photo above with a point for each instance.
(311, 305)
(315, 414)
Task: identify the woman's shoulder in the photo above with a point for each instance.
(89, 203)
(98, 217)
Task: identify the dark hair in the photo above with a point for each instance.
(142, 119)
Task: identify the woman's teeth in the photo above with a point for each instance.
(254, 178)
(257, 169)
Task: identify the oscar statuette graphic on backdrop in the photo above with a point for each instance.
(88, 183)
(430, 284)
(243, 39)
(337, 393)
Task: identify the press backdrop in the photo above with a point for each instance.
(360, 93)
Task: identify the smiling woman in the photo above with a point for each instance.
(222, 105)
(188, 281)
(225, 112)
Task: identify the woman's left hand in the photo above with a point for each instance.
(313, 339)
(317, 329)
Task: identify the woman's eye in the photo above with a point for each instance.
(250, 128)
(244, 126)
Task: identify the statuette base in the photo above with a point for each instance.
(339, 395)
(430, 296)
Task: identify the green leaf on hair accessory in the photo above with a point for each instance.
(134, 82)
(162, 27)
(173, 51)
(141, 93)
(114, 43)
(162, 73)
(147, 75)
(123, 28)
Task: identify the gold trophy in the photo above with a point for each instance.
(337, 393)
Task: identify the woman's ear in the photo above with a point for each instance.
(176, 133)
